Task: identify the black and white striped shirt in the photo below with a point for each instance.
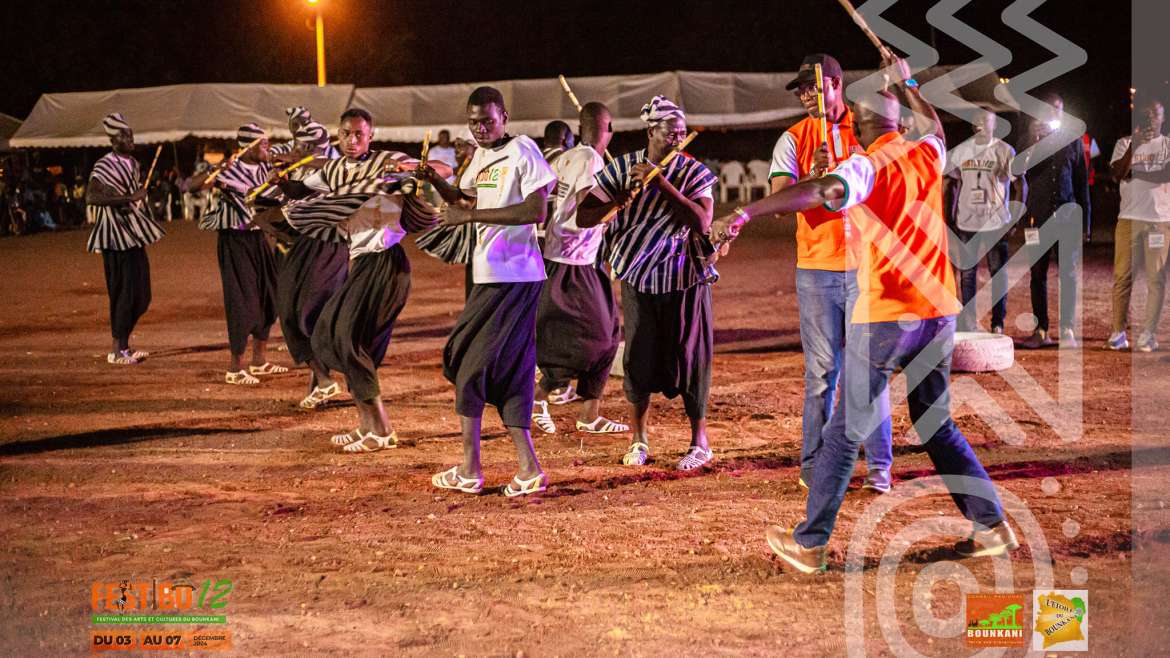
(122, 227)
(227, 209)
(645, 245)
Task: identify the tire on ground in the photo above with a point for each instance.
(977, 351)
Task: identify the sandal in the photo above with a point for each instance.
(451, 479)
(267, 369)
(638, 454)
(347, 438)
(602, 425)
(241, 377)
(139, 354)
(319, 395)
(518, 487)
(123, 358)
(541, 417)
(696, 457)
(380, 443)
(563, 395)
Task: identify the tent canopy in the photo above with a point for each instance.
(403, 114)
(168, 114)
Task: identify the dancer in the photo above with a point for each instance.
(666, 283)
(577, 330)
(825, 289)
(247, 266)
(905, 317)
(491, 353)
(313, 270)
(352, 332)
(122, 229)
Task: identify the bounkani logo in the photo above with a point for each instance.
(995, 620)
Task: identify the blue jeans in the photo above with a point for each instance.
(873, 352)
(965, 257)
(826, 299)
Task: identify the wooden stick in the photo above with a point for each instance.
(422, 161)
(260, 188)
(235, 156)
(860, 20)
(154, 162)
(577, 104)
(654, 173)
(824, 120)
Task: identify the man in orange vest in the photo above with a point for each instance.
(825, 289)
(904, 318)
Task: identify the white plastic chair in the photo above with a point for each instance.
(757, 177)
(732, 175)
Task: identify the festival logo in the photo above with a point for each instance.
(996, 620)
(119, 604)
(1060, 620)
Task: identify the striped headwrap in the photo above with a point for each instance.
(299, 113)
(659, 109)
(312, 133)
(248, 133)
(114, 124)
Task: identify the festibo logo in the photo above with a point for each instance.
(127, 596)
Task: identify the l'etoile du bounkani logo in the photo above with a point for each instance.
(126, 596)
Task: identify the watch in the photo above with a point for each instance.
(910, 82)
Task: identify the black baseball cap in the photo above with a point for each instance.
(806, 73)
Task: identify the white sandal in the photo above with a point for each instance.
(451, 479)
(380, 443)
(518, 487)
(139, 354)
(319, 395)
(346, 439)
(602, 425)
(565, 396)
(637, 455)
(241, 377)
(122, 358)
(696, 457)
(541, 417)
(267, 369)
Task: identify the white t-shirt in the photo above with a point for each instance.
(499, 178)
(564, 241)
(1142, 200)
(984, 172)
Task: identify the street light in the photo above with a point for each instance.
(320, 42)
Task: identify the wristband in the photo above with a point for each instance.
(743, 214)
(911, 83)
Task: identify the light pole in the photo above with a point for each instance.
(320, 42)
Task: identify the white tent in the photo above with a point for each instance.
(712, 100)
(166, 114)
(8, 127)
(404, 114)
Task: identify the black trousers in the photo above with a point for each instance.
(311, 272)
(128, 284)
(247, 268)
(352, 333)
(670, 341)
(577, 328)
(491, 353)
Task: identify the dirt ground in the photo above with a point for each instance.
(162, 471)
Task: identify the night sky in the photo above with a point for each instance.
(77, 45)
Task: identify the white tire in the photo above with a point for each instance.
(976, 351)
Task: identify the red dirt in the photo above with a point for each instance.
(162, 471)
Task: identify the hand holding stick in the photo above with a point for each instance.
(654, 173)
(281, 174)
(235, 156)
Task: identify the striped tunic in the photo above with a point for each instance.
(227, 209)
(645, 245)
(118, 228)
(344, 190)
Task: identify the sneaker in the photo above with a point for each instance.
(996, 540)
(1037, 340)
(1117, 341)
(1146, 342)
(804, 560)
(1068, 340)
(997, 329)
(877, 480)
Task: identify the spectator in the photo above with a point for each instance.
(982, 183)
(1141, 224)
(444, 150)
